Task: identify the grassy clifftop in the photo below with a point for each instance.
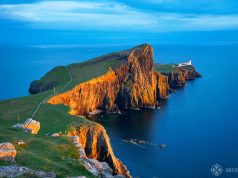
(80, 72)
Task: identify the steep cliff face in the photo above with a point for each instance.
(178, 79)
(137, 79)
(162, 86)
(132, 85)
(96, 143)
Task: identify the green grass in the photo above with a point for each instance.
(57, 75)
(41, 152)
(166, 68)
(52, 154)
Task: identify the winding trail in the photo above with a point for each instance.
(45, 99)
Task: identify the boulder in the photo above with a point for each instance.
(29, 125)
(7, 152)
(21, 143)
(99, 169)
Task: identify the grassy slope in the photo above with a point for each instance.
(43, 152)
(57, 75)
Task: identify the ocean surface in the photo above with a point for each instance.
(199, 123)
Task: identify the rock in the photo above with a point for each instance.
(29, 125)
(55, 135)
(78, 145)
(21, 142)
(75, 139)
(99, 169)
(96, 144)
(178, 79)
(82, 153)
(52, 80)
(37, 86)
(162, 87)
(17, 171)
(162, 146)
(7, 152)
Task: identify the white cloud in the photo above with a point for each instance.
(78, 15)
(89, 15)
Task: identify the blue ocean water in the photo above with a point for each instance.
(199, 123)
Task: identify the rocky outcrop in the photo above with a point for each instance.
(29, 125)
(56, 77)
(162, 86)
(7, 152)
(19, 171)
(37, 86)
(78, 145)
(99, 169)
(95, 141)
(132, 85)
(178, 79)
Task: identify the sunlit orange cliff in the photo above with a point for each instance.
(132, 85)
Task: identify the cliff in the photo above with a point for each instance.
(131, 85)
(134, 84)
(178, 79)
(162, 86)
(96, 144)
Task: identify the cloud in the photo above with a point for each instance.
(77, 15)
(109, 16)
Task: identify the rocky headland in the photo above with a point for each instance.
(134, 84)
(131, 81)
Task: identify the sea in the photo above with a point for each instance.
(198, 123)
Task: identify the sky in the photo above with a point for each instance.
(125, 21)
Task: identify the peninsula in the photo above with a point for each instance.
(68, 144)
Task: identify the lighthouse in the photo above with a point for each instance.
(189, 63)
